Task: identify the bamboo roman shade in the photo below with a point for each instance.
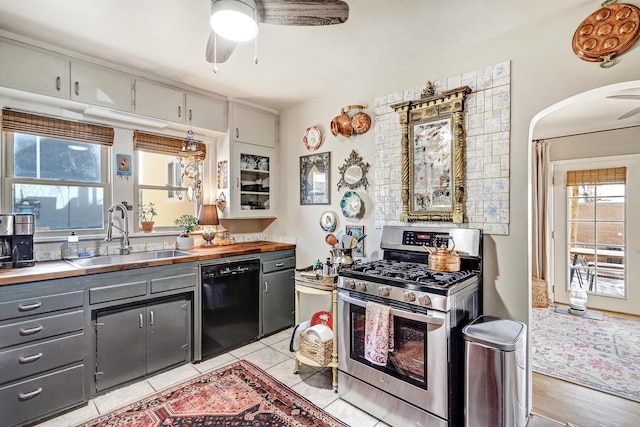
(165, 145)
(20, 122)
(597, 176)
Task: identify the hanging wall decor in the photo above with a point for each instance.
(349, 125)
(433, 138)
(606, 33)
(353, 173)
(123, 165)
(314, 179)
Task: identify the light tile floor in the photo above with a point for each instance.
(270, 354)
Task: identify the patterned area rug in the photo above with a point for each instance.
(599, 354)
(239, 394)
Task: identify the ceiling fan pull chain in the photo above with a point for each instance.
(255, 57)
(215, 53)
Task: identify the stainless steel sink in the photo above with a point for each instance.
(125, 259)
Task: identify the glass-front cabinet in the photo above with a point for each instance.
(248, 180)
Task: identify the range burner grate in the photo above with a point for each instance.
(410, 271)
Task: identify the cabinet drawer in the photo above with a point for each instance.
(173, 282)
(116, 292)
(30, 360)
(29, 306)
(279, 264)
(44, 327)
(35, 398)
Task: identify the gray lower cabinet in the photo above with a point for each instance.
(133, 342)
(278, 304)
(41, 350)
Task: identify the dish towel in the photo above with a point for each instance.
(378, 333)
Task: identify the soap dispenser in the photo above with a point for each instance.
(72, 245)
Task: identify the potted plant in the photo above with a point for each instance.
(187, 223)
(147, 212)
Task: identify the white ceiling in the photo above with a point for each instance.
(167, 38)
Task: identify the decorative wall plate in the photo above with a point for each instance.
(312, 138)
(328, 221)
(351, 204)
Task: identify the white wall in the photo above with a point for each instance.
(544, 70)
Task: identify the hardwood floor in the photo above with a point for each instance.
(567, 402)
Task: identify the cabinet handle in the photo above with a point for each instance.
(34, 393)
(237, 133)
(29, 359)
(140, 321)
(179, 111)
(58, 83)
(31, 331)
(266, 287)
(190, 114)
(151, 318)
(77, 88)
(280, 264)
(237, 181)
(29, 306)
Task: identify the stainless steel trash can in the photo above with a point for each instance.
(495, 375)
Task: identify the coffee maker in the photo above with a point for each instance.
(6, 240)
(24, 226)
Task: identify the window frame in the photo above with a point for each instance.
(9, 180)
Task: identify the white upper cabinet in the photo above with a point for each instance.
(96, 85)
(159, 101)
(33, 70)
(252, 125)
(205, 112)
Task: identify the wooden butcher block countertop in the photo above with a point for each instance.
(45, 270)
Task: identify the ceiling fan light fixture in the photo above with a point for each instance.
(234, 19)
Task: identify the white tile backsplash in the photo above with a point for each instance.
(488, 125)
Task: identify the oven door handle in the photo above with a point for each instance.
(425, 318)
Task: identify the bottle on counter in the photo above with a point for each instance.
(72, 245)
(317, 268)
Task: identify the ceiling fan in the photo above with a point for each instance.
(225, 33)
(630, 113)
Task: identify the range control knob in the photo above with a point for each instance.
(409, 296)
(424, 300)
(350, 284)
(361, 286)
(384, 291)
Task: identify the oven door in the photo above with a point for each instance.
(416, 370)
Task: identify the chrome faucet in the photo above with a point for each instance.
(125, 247)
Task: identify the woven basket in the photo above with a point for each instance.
(316, 350)
(539, 293)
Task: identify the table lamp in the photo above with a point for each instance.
(208, 217)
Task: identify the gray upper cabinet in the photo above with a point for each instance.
(33, 70)
(252, 125)
(96, 85)
(205, 112)
(159, 101)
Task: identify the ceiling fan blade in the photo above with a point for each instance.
(303, 13)
(630, 113)
(224, 48)
(624, 97)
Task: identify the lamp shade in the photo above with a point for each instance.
(234, 19)
(208, 215)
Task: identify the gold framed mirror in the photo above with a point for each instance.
(433, 138)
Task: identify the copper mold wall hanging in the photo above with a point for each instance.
(347, 125)
(433, 138)
(606, 33)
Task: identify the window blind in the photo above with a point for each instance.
(597, 176)
(166, 145)
(33, 124)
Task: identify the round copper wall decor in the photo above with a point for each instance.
(607, 32)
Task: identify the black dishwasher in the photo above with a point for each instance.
(230, 305)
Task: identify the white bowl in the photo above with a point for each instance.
(319, 332)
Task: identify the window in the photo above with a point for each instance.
(596, 208)
(166, 179)
(56, 170)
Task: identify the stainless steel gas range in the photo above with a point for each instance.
(422, 382)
